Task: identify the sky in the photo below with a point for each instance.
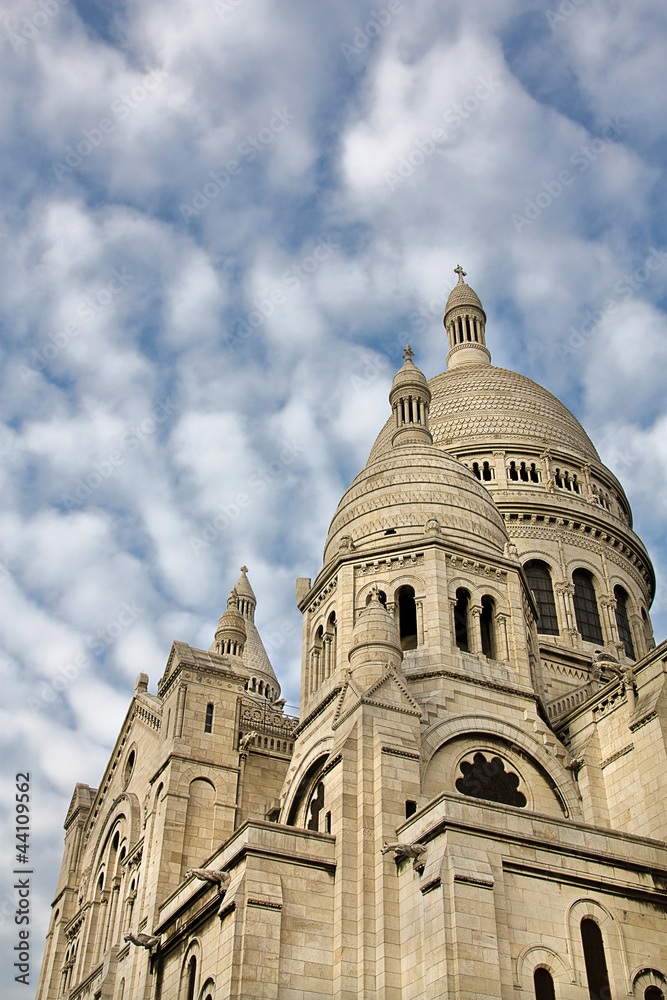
(222, 220)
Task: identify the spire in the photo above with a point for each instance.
(247, 602)
(465, 322)
(410, 398)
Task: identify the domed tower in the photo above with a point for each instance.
(465, 323)
(230, 635)
(565, 512)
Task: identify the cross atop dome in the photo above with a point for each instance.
(408, 353)
(461, 273)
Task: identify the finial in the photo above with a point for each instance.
(408, 353)
(244, 569)
(461, 273)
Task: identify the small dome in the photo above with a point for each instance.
(409, 376)
(375, 639)
(231, 625)
(462, 295)
(404, 489)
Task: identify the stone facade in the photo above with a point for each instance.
(472, 803)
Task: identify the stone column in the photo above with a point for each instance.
(565, 592)
(502, 646)
(475, 630)
(452, 622)
(499, 463)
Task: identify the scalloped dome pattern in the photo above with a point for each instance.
(488, 406)
(463, 295)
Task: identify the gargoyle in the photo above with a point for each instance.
(143, 940)
(404, 851)
(221, 879)
(246, 740)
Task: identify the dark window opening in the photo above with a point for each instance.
(586, 607)
(544, 985)
(488, 779)
(523, 473)
(475, 469)
(596, 965)
(468, 336)
(410, 808)
(513, 472)
(327, 823)
(208, 721)
(315, 808)
(486, 628)
(486, 472)
(539, 581)
(382, 598)
(192, 976)
(653, 993)
(534, 474)
(557, 478)
(390, 531)
(407, 618)
(623, 622)
(461, 619)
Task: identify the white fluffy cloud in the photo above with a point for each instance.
(223, 221)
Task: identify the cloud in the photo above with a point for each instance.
(187, 391)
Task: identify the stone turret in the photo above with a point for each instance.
(465, 323)
(410, 398)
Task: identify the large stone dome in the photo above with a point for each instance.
(493, 407)
(410, 492)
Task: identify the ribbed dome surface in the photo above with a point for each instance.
(405, 488)
(463, 295)
(494, 407)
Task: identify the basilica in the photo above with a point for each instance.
(473, 801)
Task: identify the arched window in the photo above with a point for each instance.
(513, 471)
(129, 766)
(623, 622)
(486, 472)
(596, 964)
(544, 985)
(315, 807)
(330, 646)
(407, 618)
(653, 993)
(523, 473)
(475, 469)
(192, 978)
(534, 474)
(586, 606)
(539, 581)
(461, 619)
(382, 598)
(486, 627)
(208, 721)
